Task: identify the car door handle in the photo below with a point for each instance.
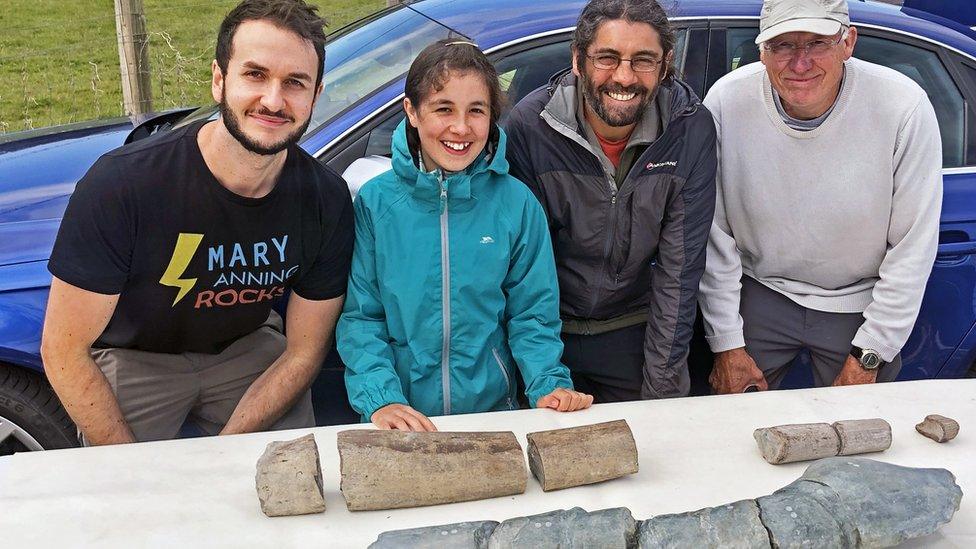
(957, 248)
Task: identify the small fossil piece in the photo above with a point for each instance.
(789, 443)
(862, 436)
(938, 428)
(563, 458)
(396, 469)
(289, 478)
(806, 441)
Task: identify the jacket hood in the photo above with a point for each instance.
(562, 93)
(425, 184)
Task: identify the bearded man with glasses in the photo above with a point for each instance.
(827, 215)
(621, 153)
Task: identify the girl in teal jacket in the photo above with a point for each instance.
(453, 283)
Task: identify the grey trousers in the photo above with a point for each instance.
(158, 392)
(776, 329)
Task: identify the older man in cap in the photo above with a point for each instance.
(827, 212)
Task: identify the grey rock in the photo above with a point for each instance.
(938, 428)
(461, 535)
(732, 526)
(858, 502)
(567, 529)
(289, 478)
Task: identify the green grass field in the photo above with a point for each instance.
(59, 60)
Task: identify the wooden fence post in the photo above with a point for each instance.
(130, 26)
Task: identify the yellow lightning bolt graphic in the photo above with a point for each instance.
(186, 246)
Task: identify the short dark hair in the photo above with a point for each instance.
(598, 12)
(431, 69)
(293, 15)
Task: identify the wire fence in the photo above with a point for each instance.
(59, 61)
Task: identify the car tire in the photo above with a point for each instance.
(31, 416)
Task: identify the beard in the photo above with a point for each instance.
(233, 125)
(615, 116)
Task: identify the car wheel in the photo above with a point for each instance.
(31, 416)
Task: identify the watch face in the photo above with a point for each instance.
(870, 360)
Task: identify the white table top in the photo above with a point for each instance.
(694, 453)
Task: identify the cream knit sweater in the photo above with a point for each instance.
(842, 218)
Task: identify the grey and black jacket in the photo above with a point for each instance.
(630, 246)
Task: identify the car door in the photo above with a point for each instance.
(940, 343)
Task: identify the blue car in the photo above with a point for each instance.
(933, 44)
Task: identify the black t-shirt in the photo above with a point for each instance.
(198, 266)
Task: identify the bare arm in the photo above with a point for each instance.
(309, 329)
(75, 318)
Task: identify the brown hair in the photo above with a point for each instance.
(293, 15)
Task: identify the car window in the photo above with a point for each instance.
(360, 61)
(970, 73)
(926, 69)
(740, 47)
(921, 65)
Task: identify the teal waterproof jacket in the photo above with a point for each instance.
(453, 286)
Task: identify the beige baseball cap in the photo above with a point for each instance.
(824, 17)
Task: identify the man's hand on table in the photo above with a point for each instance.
(734, 371)
(402, 418)
(854, 374)
(565, 400)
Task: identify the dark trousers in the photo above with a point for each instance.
(777, 329)
(609, 366)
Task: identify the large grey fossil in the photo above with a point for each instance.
(839, 502)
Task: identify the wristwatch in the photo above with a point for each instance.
(869, 359)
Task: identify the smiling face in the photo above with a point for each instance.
(267, 94)
(452, 122)
(808, 84)
(618, 97)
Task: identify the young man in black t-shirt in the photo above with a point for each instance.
(172, 251)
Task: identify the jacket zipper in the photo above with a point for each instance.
(508, 382)
(611, 234)
(608, 246)
(445, 299)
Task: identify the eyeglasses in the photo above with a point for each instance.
(609, 62)
(785, 51)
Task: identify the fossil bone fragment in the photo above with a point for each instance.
(861, 436)
(938, 428)
(289, 478)
(572, 529)
(563, 458)
(845, 502)
(462, 535)
(859, 502)
(395, 469)
(736, 525)
(806, 441)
